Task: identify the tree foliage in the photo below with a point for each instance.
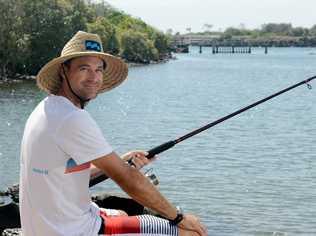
(136, 47)
(34, 31)
(12, 40)
(162, 44)
(279, 29)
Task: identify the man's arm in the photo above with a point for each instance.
(138, 158)
(134, 183)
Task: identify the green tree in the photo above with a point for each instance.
(232, 32)
(162, 43)
(78, 14)
(277, 29)
(41, 26)
(13, 43)
(299, 32)
(312, 31)
(115, 17)
(127, 23)
(34, 31)
(49, 24)
(137, 48)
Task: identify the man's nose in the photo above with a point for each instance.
(93, 75)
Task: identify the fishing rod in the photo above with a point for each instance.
(167, 145)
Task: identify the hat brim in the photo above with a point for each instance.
(49, 80)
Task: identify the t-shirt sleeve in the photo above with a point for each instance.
(80, 137)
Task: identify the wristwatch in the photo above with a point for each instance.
(178, 218)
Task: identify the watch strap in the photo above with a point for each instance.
(178, 218)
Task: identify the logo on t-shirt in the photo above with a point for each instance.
(71, 166)
(40, 171)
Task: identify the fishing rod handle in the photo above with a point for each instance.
(161, 148)
(97, 179)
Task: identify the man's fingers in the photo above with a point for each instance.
(202, 229)
(138, 158)
(140, 161)
(136, 162)
(193, 223)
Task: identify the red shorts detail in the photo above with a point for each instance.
(120, 224)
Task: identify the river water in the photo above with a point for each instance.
(254, 174)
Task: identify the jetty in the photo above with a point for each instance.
(182, 43)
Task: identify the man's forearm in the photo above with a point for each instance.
(135, 184)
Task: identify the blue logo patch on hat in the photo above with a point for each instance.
(93, 45)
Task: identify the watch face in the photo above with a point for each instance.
(179, 210)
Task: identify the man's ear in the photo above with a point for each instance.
(62, 71)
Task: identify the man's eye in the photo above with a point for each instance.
(83, 68)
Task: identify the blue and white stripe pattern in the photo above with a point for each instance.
(151, 225)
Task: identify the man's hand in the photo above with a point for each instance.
(138, 158)
(192, 223)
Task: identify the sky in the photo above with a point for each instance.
(179, 15)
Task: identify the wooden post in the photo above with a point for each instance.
(266, 50)
(200, 48)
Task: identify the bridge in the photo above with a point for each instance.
(236, 44)
(196, 40)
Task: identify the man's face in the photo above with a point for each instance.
(85, 76)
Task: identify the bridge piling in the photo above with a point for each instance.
(231, 49)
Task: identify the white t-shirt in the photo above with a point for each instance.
(58, 144)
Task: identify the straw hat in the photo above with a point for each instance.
(82, 44)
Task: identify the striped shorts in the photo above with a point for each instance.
(136, 225)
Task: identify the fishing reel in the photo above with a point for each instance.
(148, 173)
(151, 176)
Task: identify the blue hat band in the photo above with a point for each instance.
(92, 45)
